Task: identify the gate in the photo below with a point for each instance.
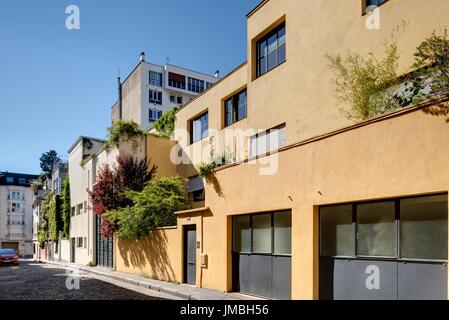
(104, 247)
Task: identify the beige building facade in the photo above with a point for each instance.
(312, 205)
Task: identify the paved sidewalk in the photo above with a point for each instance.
(179, 290)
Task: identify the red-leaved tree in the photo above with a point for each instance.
(108, 192)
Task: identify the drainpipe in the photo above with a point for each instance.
(119, 98)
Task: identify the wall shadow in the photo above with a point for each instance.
(149, 255)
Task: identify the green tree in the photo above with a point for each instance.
(47, 160)
(66, 208)
(153, 207)
(123, 130)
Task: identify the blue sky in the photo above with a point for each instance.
(56, 84)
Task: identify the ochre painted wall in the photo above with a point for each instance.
(156, 256)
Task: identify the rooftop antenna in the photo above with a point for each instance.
(167, 60)
(118, 72)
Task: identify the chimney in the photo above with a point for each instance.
(142, 56)
(119, 98)
(217, 74)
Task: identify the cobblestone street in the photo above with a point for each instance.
(40, 281)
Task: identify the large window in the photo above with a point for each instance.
(271, 50)
(235, 108)
(155, 97)
(267, 141)
(199, 128)
(267, 233)
(424, 228)
(376, 229)
(156, 78)
(176, 80)
(195, 85)
(336, 231)
(419, 225)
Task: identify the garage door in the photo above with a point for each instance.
(388, 250)
(262, 254)
(11, 245)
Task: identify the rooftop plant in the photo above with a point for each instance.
(123, 130)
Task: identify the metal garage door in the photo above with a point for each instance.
(104, 247)
(262, 254)
(385, 250)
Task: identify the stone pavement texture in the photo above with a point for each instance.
(43, 281)
(178, 290)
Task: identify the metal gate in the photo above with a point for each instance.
(385, 250)
(104, 247)
(261, 255)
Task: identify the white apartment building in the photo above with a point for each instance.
(150, 90)
(16, 217)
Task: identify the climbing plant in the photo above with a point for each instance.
(54, 217)
(166, 124)
(66, 208)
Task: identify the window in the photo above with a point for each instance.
(17, 208)
(85, 242)
(235, 108)
(199, 128)
(336, 231)
(72, 213)
(22, 181)
(424, 228)
(155, 96)
(195, 85)
(242, 234)
(208, 85)
(267, 141)
(156, 78)
(9, 180)
(79, 209)
(176, 80)
(271, 50)
(16, 195)
(79, 242)
(376, 3)
(172, 99)
(282, 223)
(154, 115)
(419, 225)
(261, 228)
(179, 100)
(85, 206)
(267, 233)
(376, 229)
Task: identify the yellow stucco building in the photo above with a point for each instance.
(342, 210)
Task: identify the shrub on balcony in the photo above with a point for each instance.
(122, 130)
(153, 207)
(371, 86)
(364, 82)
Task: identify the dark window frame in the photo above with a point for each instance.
(191, 127)
(264, 40)
(195, 85)
(234, 99)
(152, 100)
(366, 5)
(152, 81)
(397, 204)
